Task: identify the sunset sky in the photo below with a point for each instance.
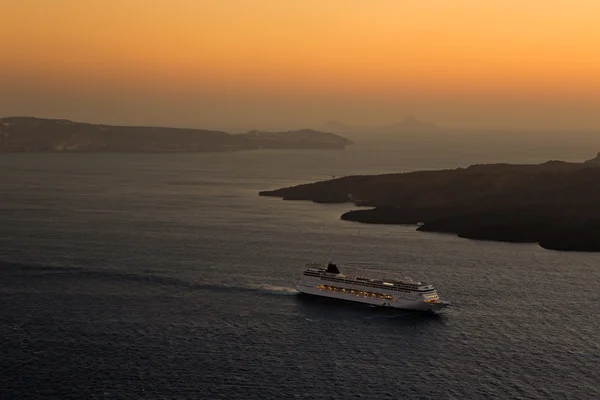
(272, 64)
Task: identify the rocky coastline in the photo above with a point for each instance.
(39, 135)
(555, 204)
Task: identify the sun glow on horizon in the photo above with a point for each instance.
(438, 53)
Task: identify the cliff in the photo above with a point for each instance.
(27, 134)
(556, 204)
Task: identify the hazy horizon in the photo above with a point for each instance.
(239, 65)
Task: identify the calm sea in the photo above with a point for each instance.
(165, 276)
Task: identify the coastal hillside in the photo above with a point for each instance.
(28, 134)
(555, 204)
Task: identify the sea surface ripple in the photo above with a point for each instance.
(167, 277)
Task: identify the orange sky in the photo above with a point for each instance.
(271, 62)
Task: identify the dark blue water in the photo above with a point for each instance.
(167, 277)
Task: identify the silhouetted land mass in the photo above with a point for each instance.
(555, 204)
(28, 134)
(408, 127)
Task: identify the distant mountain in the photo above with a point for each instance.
(29, 134)
(595, 160)
(409, 125)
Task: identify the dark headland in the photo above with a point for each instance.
(29, 135)
(555, 204)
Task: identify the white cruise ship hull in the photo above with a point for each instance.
(406, 304)
(405, 294)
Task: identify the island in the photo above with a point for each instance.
(555, 204)
(406, 127)
(29, 134)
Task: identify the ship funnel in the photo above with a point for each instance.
(332, 268)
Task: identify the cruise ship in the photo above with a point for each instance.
(407, 294)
